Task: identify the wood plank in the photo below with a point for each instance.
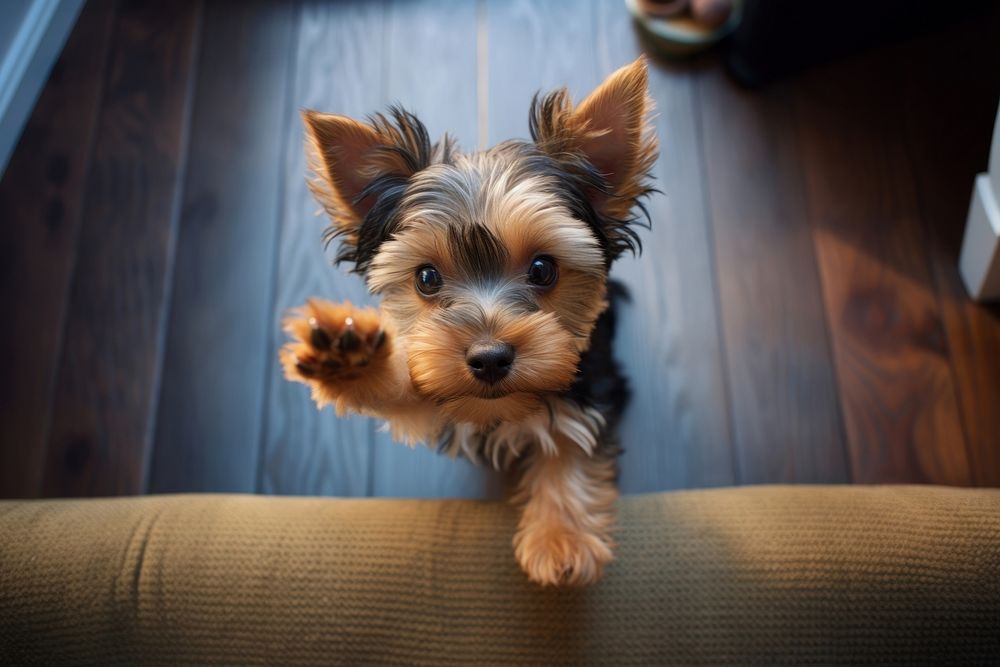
(536, 45)
(100, 431)
(208, 425)
(41, 197)
(32, 37)
(898, 395)
(786, 419)
(947, 134)
(676, 431)
(338, 69)
(431, 69)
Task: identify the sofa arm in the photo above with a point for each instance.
(754, 574)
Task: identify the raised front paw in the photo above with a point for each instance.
(558, 555)
(333, 344)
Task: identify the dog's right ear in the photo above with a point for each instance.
(611, 132)
(361, 172)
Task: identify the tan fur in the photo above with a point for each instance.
(336, 147)
(415, 374)
(546, 358)
(612, 128)
(345, 154)
(529, 223)
(567, 512)
(351, 386)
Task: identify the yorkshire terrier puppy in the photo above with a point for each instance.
(493, 340)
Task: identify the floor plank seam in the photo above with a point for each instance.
(695, 83)
(177, 200)
(831, 353)
(482, 74)
(75, 252)
(925, 227)
(270, 366)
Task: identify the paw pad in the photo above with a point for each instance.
(332, 341)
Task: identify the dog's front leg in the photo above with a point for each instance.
(567, 498)
(346, 355)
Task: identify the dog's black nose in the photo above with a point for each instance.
(490, 362)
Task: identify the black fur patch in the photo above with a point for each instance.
(478, 251)
(600, 382)
(380, 223)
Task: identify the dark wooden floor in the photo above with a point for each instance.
(797, 314)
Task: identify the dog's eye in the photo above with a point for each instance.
(428, 280)
(543, 271)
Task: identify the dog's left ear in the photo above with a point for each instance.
(611, 131)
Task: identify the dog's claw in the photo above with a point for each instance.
(379, 339)
(349, 340)
(307, 370)
(319, 338)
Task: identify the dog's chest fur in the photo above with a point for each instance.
(587, 415)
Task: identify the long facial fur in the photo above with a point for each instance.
(480, 219)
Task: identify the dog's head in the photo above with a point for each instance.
(493, 265)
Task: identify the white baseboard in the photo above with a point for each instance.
(980, 260)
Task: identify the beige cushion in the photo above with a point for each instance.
(756, 574)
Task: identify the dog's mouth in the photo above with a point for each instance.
(505, 389)
(466, 388)
(476, 409)
(494, 394)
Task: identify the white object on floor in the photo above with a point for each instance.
(980, 259)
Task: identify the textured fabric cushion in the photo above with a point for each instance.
(756, 574)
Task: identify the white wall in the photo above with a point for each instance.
(980, 259)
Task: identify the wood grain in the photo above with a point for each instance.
(108, 371)
(797, 315)
(41, 197)
(896, 387)
(676, 430)
(786, 420)
(338, 68)
(208, 423)
(950, 95)
(536, 45)
(430, 65)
